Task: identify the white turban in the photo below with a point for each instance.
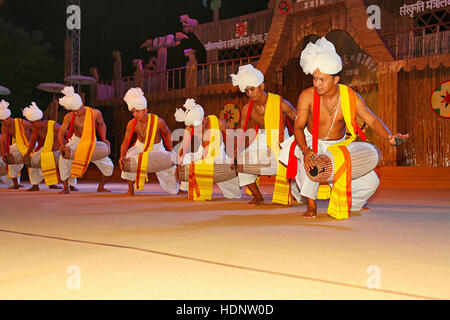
(33, 113)
(321, 55)
(5, 113)
(71, 100)
(247, 76)
(193, 116)
(135, 99)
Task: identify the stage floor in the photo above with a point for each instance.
(157, 246)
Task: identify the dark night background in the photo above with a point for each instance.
(36, 53)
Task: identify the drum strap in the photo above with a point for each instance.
(86, 146)
(132, 132)
(289, 125)
(316, 118)
(70, 133)
(249, 113)
(142, 162)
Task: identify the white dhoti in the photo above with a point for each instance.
(4, 178)
(105, 165)
(36, 175)
(257, 150)
(230, 188)
(166, 178)
(362, 188)
(14, 169)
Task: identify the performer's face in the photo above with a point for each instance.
(139, 114)
(254, 93)
(323, 83)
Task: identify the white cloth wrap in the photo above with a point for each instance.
(320, 55)
(247, 76)
(5, 178)
(105, 165)
(259, 145)
(135, 99)
(14, 169)
(362, 188)
(166, 177)
(230, 188)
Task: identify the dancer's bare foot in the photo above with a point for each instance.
(130, 191)
(34, 187)
(256, 201)
(311, 210)
(73, 189)
(64, 191)
(16, 186)
(366, 209)
(182, 192)
(310, 214)
(55, 187)
(102, 190)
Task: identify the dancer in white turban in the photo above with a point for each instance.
(75, 122)
(10, 128)
(46, 143)
(3, 171)
(143, 126)
(207, 133)
(263, 121)
(336, 105)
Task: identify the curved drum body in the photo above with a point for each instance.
(16, 158)
(364, 156)
(36, 160)
(265, 164)
(222, 172)
(101, 151)
(157, 161)
(3, 171)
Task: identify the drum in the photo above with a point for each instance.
(265, 165)
(222, 172)
(14, 158)
(3, 171)
(364, 156)
(36, 160)
(157, 161)
(101, 151)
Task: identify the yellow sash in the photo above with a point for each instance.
(142, 165)
(48, 163)
(341, 195)
(21, 139)
(272, 122)
(85, 148)
(201, 173)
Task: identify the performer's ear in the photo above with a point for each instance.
(337, 78)
(262, 86)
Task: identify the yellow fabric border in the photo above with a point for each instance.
(48, 162)
(141, 171)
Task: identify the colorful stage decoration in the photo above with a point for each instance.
(440, 100)
(231, 114)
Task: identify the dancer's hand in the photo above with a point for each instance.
(27, 158)
(397, 139)
(308, 155)
(121, 163)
